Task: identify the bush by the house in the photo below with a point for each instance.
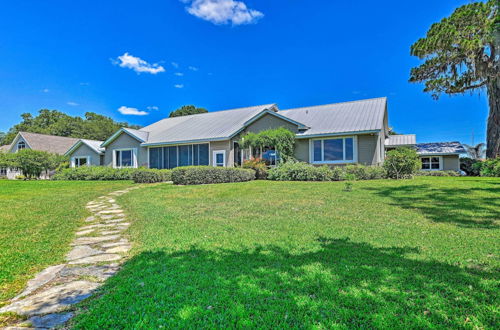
(491, 167)
(470, 166)
(437, 173)
(299, 171)
(31, 163)
(401, 163)
(189, 175)
(146, 175)
(258, 165)
(95, 173)
(362, 172)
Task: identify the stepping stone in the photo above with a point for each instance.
(96, 259)
(52, 300)
(119, 243)
(93, 240)
(50, 320)
(116, 220)
(110, 232)
(90, 219)
(102, 272)
(42, 278)
(110, 211)
(82, 251)
(84, 232)
(119, 249)
(106, 217)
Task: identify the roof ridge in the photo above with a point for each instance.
(441, 142)
(65, 137)
(322, 105)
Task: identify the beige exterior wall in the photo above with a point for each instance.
(451, 163)
(301, 152)
(85, 151)
(368, 149)
(222, 145)
(125, 141)
(269, 122)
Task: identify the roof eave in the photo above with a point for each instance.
(117, 134)
(308, 136)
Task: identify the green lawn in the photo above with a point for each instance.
(389, 254)
(37, 223)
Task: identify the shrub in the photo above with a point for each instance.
(146, 175)
(32, 163)
(468, 165)
(259, 166)
(189, 175)
(95, 173)
(298, 171)
(338, 173)
(401, 163)
(438, 173)
(491, 167)
(362, 172)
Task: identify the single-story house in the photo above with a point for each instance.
(35, 141)
(435, 156)
(355, 132)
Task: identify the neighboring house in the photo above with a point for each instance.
(354, 132)
(41, 142)
(436, 156)
(86, 153)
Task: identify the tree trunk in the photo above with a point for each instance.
(493, 129)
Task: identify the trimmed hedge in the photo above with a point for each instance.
(94, 173)
(490, 167)
(146, 175)
(190, 175)
(299, 171)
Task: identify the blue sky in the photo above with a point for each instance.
(154, 56)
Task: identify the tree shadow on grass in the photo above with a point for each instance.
(450, 205)
(341, 283)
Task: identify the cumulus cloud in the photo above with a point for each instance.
(179, 86)
(152, 107)
(45, 90)
(192, 68)
(131, 111)
(73, 104)
(137, 64)
(179, 74)
(223, 11)
(175, 64)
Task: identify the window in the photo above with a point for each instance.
(219, 158)
(431, 163)
(124, 158)
(3, 171)
(81, 161)
(335, 150)
(21, 145)
(184, 155)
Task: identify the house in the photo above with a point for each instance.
(353, 132)
(35, 141)
(438, 156)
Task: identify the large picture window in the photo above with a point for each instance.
(431, 163)
(185, 155)
(124, 158)
(335, 150)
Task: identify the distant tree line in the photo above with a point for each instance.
(93, 126)
(187, 110)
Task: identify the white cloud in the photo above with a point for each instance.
(179, 86)
(179, 74)
(223, 11)
(137, 64)
(73, 104)
(131, 111)
(45, 90)
(192, 68)
(84, 84)
(152, 107)
(175, 64)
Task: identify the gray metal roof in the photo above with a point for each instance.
(440, 148)
(5, 148)
(142, 135)
(49, 143)
(401, 140)
(205, 126)
(94, 144)
(354, 116)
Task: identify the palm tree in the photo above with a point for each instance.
(477, 151)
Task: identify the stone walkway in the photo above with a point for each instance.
(96, 254)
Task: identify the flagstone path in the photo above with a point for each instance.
(97, 252)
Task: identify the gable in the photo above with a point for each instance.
(269, 121)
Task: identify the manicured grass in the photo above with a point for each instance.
(37, 223)
(389, 254)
